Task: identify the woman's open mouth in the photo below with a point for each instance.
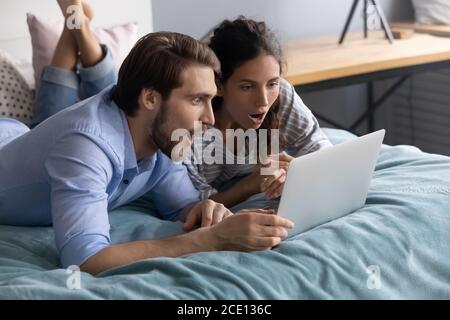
(257, 118)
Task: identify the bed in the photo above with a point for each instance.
(396, 247)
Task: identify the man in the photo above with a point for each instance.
(112, 148)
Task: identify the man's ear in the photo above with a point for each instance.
(219, 86)
(149, 99)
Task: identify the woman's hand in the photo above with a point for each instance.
(272, 185)
(284, 160)
(272, 181)
(204, 214)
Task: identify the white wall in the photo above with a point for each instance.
(14, 35)
(289, 19)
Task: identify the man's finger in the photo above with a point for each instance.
(273, 220)
(263, 211)
(263, 243)
(191, 221)
(270, 231)
(219, 213)
(207, 213)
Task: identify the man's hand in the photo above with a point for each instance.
(204, 214)
(249, 230)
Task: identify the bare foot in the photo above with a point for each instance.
(86, 7)
(64, 4)
(88, 11)
(84, 15)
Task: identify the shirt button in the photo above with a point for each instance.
(126, 181)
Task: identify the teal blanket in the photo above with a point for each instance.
(396, 247)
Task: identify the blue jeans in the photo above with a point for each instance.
(59, 89)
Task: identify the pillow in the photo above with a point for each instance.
(432, 11)
(16, 98)
(26, 70)
(45, 35)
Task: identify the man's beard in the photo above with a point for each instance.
(161, 133)
(162, 136)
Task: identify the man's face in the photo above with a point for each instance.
(189, 103)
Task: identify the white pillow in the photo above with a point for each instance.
(432, 11)
(16, 98)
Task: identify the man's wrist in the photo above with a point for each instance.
(203, 239)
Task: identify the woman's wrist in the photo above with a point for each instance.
(247, 186)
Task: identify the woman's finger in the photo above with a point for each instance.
(272, 179)
(276, 193)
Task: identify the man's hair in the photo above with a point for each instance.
(156, 62)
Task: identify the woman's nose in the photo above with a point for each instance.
(262, 99)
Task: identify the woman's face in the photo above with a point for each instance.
(251, 91)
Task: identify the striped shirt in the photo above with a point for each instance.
(297, 125)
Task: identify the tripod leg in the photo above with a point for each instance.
(384, 22)
(349, 19)
(365, 19)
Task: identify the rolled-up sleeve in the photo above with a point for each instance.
(79, 172)
(300, 127)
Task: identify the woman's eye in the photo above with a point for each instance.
(246, 88)
(273, 84)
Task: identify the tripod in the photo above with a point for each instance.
(384, 23)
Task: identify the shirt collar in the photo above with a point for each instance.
(130, 163)
(126, 146)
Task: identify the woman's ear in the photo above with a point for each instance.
(219, 88)
(149, 99)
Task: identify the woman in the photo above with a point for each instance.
(252, 95)
(80, 68)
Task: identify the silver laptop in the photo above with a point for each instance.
(329, 183)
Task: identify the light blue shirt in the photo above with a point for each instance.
(74, 167)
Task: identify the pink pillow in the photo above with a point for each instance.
(45, 34)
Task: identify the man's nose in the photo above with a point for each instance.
(207, 116)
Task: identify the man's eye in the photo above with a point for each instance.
(197, 101)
